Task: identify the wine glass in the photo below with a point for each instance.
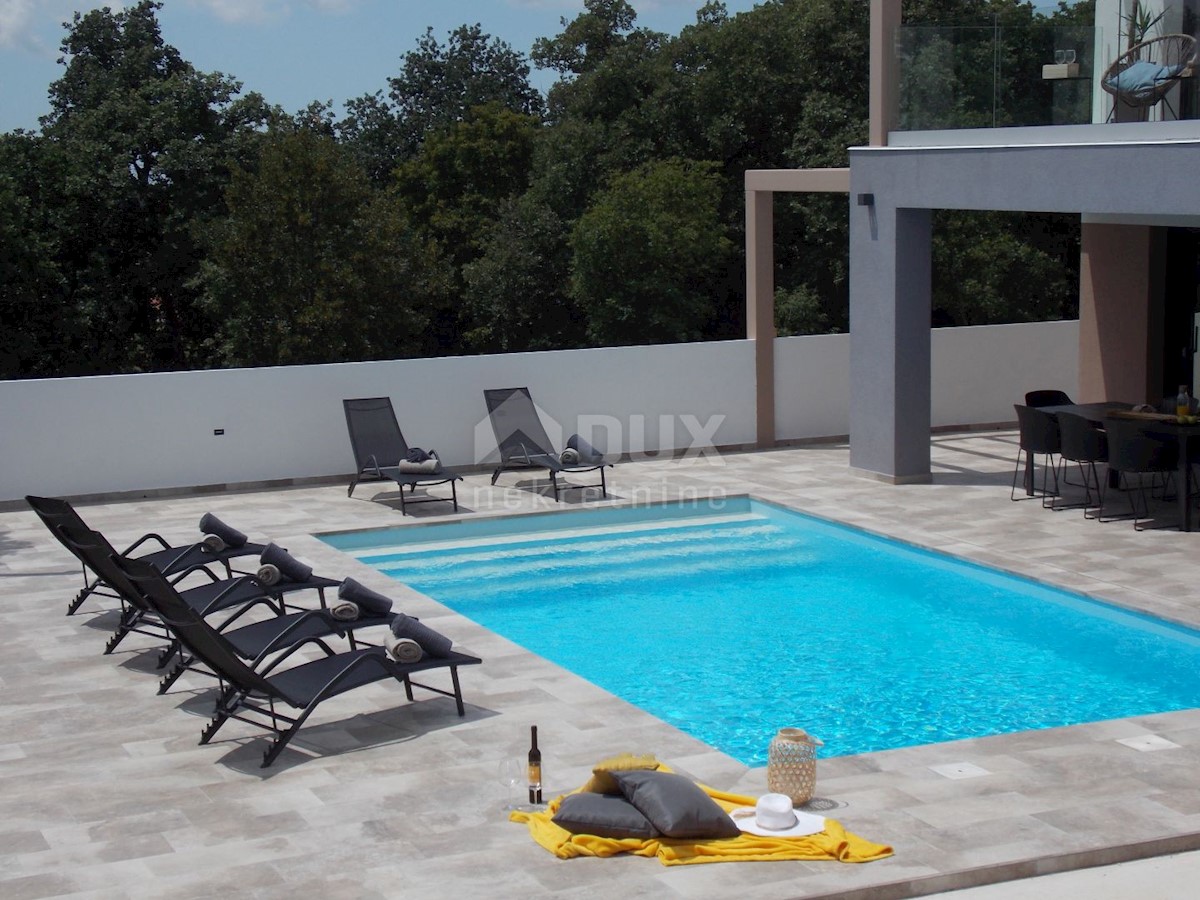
(1070, 56)
(512, 776)
(1060, 56)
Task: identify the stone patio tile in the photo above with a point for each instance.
(104, 790)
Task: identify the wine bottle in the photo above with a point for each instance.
(535, 768)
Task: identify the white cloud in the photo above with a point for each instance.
(15, 16)
(36, 25)
(245, 10)
(236, 11)
(548, 4)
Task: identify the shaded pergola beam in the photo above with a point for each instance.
(761, 186)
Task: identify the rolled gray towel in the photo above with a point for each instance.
(213, 543)
(344, 610)
(431, 642)
(404, 650)
(368, 600)
(268, 575)
(289, 567)
(210, 524)
(427, 467)
(587, 453)
(569, 457)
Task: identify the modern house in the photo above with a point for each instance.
(1129, 181)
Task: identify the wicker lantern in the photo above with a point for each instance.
(792, 764)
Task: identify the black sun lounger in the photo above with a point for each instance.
(379, 446)
(524, 444)
(254, 695)
(96, 554)
(167, 559)
(253, 642)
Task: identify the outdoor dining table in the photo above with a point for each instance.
(1184, 434)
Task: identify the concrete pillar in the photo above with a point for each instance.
(760, 308)
(1116, 324)
(890, 393)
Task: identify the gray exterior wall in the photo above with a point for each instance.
(1140, 173)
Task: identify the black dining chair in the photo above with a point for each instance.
(1038, 436)
(1084, 444)
(1135, 449)
(1038, 399)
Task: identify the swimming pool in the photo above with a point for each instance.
(730, 623)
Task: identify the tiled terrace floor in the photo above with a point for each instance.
(104, 791)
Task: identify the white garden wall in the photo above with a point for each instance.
(75, 436)
(978, 373)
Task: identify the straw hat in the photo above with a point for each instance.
(773, 816)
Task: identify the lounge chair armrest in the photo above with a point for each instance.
(192, 570)
(146, 537)
(241, 611)
(233, 585)
(283, 639)
(372, 465)
(289, 651)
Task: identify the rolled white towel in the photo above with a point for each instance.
(404, 650)
(344, 610)
(213, 543)
(268, 575)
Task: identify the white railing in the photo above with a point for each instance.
(101, 435)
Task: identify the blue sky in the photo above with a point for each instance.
(293, 51)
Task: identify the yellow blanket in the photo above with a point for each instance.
(832, 843)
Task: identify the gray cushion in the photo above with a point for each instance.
(604, 815)
(676, 806)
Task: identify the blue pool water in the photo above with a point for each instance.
(731, 623)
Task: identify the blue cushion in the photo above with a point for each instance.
(1141, 78)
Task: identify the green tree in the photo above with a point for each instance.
(40, 327)
(991, 268)
(438, 86)
(373, 133)
(145, 140)
(588, 39)
(516, 291)
(452, 191)
(311, 264)
(649, 253)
